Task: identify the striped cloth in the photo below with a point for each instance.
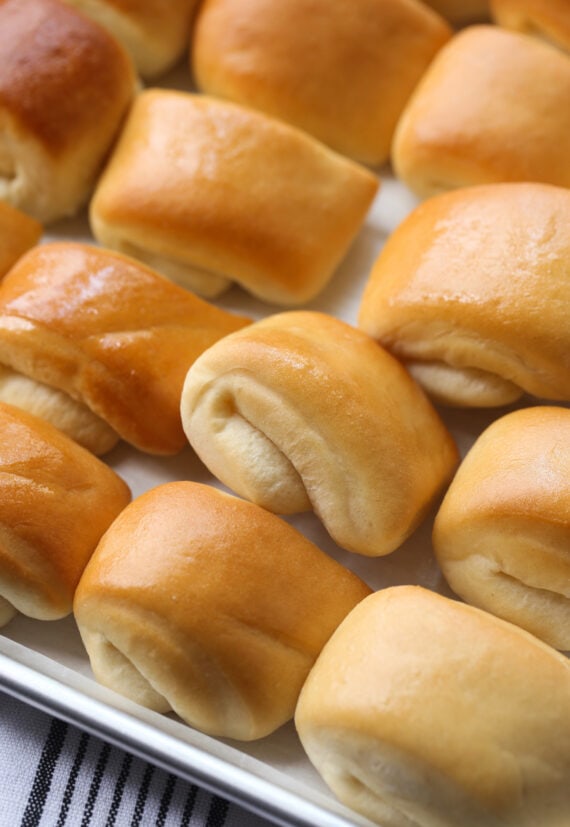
(54, 775)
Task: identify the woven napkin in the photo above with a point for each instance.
(53, 774)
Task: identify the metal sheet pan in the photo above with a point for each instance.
(211, 764)
(44, 664)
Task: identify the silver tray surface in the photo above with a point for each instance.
(44, 664)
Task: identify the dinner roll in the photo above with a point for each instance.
(301, 411)
(154, 32)
(208, 193)
(100, 345)
(493, 106)
(341, 71)
(18, 232)
(65, 86)
(472, 293)
(461, 12)
(70, 415)
(56, 501)
(424, 712)
(204, 604)
(502, 534)
(548, 19)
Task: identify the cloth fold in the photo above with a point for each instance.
(53, 774)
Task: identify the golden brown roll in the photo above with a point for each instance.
(56, 501)
(422, 711)
(204, 604)
(461, 12)
(472, 293)
(154, 32)
(208, 193)
(18, 233)
(502, 534)
(65, 86)
(342, 72)
(493, 106)
(547, 19)
(100, 345)
(301, 411)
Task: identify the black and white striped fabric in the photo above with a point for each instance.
(54, 775)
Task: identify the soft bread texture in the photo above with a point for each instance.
(461, 12)
(65, 86)
(154, 32)
(547, 19)
(55, 406)
(56, 502)
(424, 712)
(492, 106)
(472, 292)
(110, 337)
(204, 604)
(18, 233)
(301, 411)
(209, 192)
(342, 72)
(502, 534)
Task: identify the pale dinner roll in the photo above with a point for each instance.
(209, 192)
(342, 72)
(65, 86)
(154, 32)
(547, 19)
(56, 501)
(472, 293)
(493, 106)
(461, 12)
(301, 411)
(100, 345)
(18, 233)
(204, 604)
(502, 534)
(424, 712)
(71, 416)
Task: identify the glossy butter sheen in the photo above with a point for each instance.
(478, 278)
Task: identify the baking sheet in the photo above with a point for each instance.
(44, 662)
